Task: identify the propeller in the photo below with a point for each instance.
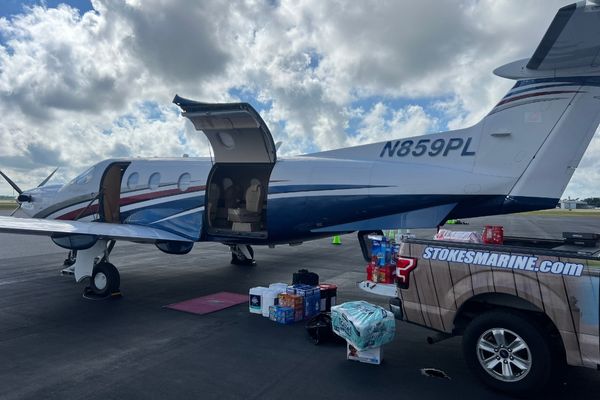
(24, 198)
(15, 210)
(11, 183)
(48, 178)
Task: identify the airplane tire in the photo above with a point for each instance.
(105, 279)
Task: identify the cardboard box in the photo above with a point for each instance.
(369, 356)
(282, 315)
(291, 300)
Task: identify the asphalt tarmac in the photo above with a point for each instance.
(56, 345)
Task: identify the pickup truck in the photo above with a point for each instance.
(524, 308)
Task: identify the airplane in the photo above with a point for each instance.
(519, 157)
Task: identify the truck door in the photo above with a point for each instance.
(244, 157)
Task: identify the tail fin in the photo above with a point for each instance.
(551, 114)
(526, 149)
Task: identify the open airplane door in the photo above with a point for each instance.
(236, 131)
(244, 156)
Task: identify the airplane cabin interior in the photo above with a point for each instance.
(236, 199)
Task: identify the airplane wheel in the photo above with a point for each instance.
(105, 279)
(238, 258)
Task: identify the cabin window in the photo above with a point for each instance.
(184, 182)
(154, 180)
(133, 180)
(226, 140)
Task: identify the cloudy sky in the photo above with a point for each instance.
(81, 81)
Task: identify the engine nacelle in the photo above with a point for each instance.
(173, 247)
(74, 241)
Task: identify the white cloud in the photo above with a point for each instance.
(74, 88)
(381, 123)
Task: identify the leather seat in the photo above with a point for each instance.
(253, 210)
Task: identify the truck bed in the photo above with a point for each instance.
(525, 245)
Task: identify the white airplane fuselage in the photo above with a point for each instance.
(307, 196)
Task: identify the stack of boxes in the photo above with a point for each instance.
(381, 268)
(295, 302)
(366, 327)
(311, 298)
(284, 303)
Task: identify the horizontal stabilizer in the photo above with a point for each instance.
(570, 44)
(133, 233)
(571, 40)
(422, 218)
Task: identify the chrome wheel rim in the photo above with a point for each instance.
(100, 281)
(504, 355)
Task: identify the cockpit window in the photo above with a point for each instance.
(84, 177)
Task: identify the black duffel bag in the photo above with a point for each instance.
(320, 330)
(305, 277)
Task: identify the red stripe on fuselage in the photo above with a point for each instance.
(124, 201)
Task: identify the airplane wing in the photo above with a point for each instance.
(133, 233)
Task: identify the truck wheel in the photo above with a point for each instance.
(509, 353)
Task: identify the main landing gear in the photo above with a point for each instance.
(242, 254)
(69, 263)
(93, 264)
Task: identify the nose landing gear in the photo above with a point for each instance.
(104, 282)
(242, 254)
(104, 278)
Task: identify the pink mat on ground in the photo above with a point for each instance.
(211, 303)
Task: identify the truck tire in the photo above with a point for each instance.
(509, 352)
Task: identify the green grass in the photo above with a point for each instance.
(564, 213)
(7, 205)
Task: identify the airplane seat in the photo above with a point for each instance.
(254, 198)
(214, 193)
(248, 218)
(231, 198)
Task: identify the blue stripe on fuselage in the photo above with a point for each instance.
(575, 80)
(536, 88)
(291, 219)
(314, 188)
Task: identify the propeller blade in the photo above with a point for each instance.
(48, 178)
(15, 210)
(11, 183)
